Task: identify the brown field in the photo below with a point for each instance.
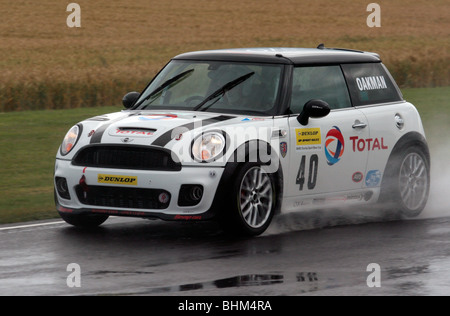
(122, 44)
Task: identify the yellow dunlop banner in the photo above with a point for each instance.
(308, 136)
(114, 179)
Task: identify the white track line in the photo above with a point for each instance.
(31, 225)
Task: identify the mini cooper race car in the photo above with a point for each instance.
(240, 135)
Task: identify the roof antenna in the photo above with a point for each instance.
(321, 46)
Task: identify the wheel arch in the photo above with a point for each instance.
(247, 152)
(408, 140)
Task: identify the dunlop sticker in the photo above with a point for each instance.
(308, 138)
(113, 179)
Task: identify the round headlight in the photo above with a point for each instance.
(208, 146)
(70, 140)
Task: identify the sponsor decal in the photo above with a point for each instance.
(308, 136)
(357, 177)
(120, 213)
(120, 131)
(373, 178)
(303, 203)
(357, 197)
(97, 137)
(371, 83)
(187, 217)
(369, 144)
(91, 133)
(283, 149)
(334, 146)
(64, 209)
(253, 119)
(114, 179)
(163, 198)
(178, 137)
(158, 117)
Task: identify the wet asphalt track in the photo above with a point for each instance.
(311, 254)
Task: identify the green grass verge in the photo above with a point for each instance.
(433, 105)
(29, 141)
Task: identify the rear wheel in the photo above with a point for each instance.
(407, 182)
(413, 183)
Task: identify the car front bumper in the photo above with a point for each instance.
(137, 193)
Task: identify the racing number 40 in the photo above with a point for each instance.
(312, 176)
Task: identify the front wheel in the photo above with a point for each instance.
(84, 220)
(408, 182)
(253, 202)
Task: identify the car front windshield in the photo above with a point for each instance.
(214, 86)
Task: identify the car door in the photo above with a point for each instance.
(373, 91)
(324, 155)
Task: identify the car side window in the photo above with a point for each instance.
(371, 84)
(326, 83)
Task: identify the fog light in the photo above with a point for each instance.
(62, 188)
(190, 194)
(196, 193)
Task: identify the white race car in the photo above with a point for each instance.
(240, 135)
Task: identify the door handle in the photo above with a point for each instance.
(359, 124)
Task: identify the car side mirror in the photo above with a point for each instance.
(315, 109)
(130, 98)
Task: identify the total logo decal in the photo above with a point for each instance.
(158, 117)
(334, 146)
(369, 144)
(134, 132)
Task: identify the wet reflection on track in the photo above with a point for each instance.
(326, 253)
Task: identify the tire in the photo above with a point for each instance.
(84, 220)
(406, 185)
(253, 201)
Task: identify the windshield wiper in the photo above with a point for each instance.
(221, 91)
(164, 85)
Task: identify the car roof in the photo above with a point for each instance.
(285, 55)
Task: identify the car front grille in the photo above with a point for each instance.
(126, 157)
(120, 197)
